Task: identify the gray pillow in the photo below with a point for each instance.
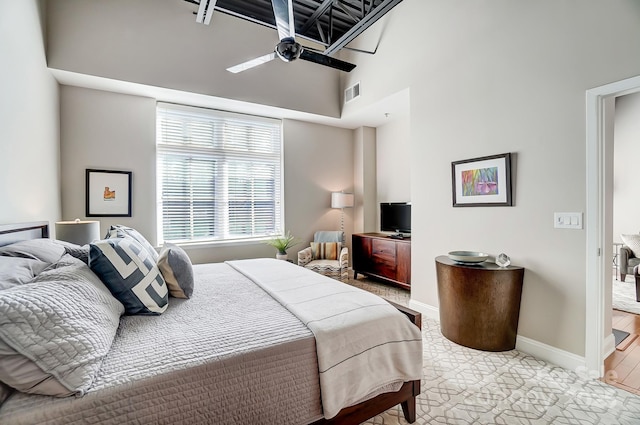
(176, 268)
(81, 252)
(55, 331)
(37, 249)
(16, 271)
(5, 392)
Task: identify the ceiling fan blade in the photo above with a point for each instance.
(205, 11)
(325, 60)
(252, 63)
(283, 11)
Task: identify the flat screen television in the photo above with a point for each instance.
(395, 217)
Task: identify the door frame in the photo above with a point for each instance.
(597, 268)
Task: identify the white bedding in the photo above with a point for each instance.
(230, 355)
(355, 361)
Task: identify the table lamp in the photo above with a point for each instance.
(78, 232)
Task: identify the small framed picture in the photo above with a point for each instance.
(484, 181)
(108, 193)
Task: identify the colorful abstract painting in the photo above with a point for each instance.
(483, 181)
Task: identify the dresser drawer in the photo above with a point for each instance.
(384, 267)
(383, 250)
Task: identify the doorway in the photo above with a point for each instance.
(600, 109)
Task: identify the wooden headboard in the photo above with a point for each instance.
(10, 233)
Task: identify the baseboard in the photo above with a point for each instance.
(550, 354)
(609, 345)
(427, 310)
(537, 349)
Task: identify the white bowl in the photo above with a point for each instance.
(468, 256)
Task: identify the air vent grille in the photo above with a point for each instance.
(352, 93)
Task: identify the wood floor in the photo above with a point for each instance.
(622, 368)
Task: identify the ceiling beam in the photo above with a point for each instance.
(359, 27)
(346, 11)
(326, 4)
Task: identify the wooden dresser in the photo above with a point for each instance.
(379, 256)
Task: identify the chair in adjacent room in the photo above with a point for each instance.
(327, 255)
(627, 256)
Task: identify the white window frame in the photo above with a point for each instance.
(225, 157)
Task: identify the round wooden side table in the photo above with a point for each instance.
(479, 303)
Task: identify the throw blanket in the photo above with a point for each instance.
(363, 343)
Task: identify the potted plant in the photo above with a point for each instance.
(282, 243)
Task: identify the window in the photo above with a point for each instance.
(219, 175)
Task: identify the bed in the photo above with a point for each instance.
(240, 350)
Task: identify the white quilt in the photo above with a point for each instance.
(363, 342)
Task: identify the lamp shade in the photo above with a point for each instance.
(341, 200)
(78, 232)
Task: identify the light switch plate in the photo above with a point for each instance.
(567, 220)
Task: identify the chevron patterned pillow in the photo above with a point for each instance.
(131, 274)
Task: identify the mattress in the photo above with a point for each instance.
(231, 354)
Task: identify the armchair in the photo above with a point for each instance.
(336, 269)
(627, 261)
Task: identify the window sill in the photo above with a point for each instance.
(220, 243)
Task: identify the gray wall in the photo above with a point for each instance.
(393, 157)
(28, 118)
(113, 131)
(108, 131)
(158, 43)
(494, 77)
(364, 180)
(626, 193)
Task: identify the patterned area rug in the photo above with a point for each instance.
(624, 296)
(465, 386)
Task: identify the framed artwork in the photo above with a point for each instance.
(108, 193)
(482, 181)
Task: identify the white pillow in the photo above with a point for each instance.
(55, 331)
(633, 242)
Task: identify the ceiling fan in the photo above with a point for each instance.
(288, 49)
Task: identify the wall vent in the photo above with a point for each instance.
(352, 93)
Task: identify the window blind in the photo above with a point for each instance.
(219, 174)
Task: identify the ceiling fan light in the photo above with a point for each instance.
(288, 49)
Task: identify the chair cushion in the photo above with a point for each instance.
(632, 263)
(633, 242)
(325, 267)
(326, 250)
